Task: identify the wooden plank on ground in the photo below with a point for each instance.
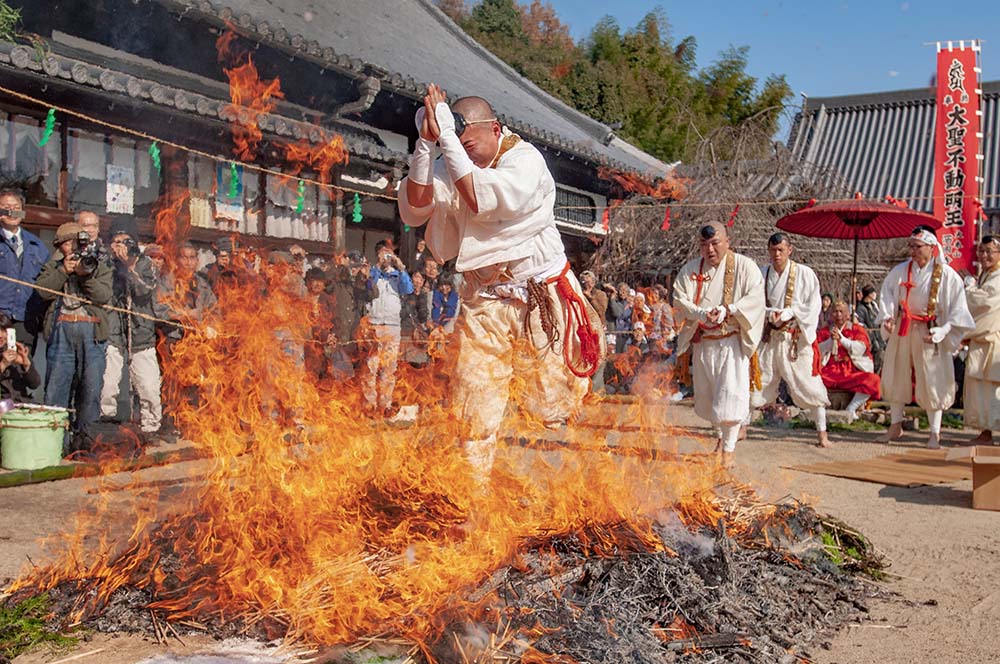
(907, 469)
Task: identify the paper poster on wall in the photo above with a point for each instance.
(120, 189)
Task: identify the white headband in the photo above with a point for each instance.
(926, 237)
(929, 238)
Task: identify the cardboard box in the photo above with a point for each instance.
(985, 474)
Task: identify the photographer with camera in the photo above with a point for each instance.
(133, 338)
(76, 333)
(22, 256)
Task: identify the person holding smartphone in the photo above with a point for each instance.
(17, 374)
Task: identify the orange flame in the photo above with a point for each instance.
(667, 187)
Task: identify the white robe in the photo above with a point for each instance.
(720, 368)
(929, 365)
(512, 238)
(982, 366)
(515, 226)
(775, 356)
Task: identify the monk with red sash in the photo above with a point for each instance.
(847, 359)
(489, 204)
(924, 316)
(719, 299)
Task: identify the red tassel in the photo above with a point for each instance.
(665, 226)
(732, 217)
(606, 220)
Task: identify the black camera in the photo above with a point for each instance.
(85, 251)
(132, 246)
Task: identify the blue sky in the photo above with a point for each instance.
(823, 48)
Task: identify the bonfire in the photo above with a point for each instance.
(311, 523)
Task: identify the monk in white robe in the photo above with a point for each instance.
(489, 204)
(982, 366)
(719, 299)
(924, 316)
(847, 359)
(788, 350)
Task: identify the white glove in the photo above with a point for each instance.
(722, 313)
(786, 315)
(456, 160)
(939, 333)
(970, 281)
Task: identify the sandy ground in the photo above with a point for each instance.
(944, 553)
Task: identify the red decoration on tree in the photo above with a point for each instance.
(811, 203)
(895, 201)
(606, 220)
(732, 216)
(665, 226)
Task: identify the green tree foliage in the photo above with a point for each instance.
(640, 79)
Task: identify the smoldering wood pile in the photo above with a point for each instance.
(763, 589)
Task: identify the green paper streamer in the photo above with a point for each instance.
(301, 202)
(406, 229)
(356, 213)
(234, 180)
(50, 126)
(154, 154)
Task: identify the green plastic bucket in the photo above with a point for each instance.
(31, 439)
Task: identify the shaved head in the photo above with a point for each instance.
(474, 108)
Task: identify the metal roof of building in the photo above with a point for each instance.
(415, 43)
(883, 144)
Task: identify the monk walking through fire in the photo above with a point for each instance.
(924, 315)
(489, 204)
(847, 359)
(788, 351)
(982, 366)
(720, 300)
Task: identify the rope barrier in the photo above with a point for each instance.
(174, 323)
(391, 197)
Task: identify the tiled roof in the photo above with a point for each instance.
(415, 43)
(883, 144)
(142, 85)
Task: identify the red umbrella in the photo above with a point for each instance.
(856, 219)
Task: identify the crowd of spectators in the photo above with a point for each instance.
(103, 304)
(365, 318)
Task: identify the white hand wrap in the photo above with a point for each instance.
(422, 162)
(970, 282)
(456, 160)
(722, 313)
(786, 315)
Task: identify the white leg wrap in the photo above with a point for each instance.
(859, 400)
(934, 420)
(730, 432)
(820, 418)
(896, 412)
(480, 454)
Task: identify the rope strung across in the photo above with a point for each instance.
(391, 197)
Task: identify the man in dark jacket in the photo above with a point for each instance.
(22, 256)
(76, 333)
(133, 338)
(349, 286)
